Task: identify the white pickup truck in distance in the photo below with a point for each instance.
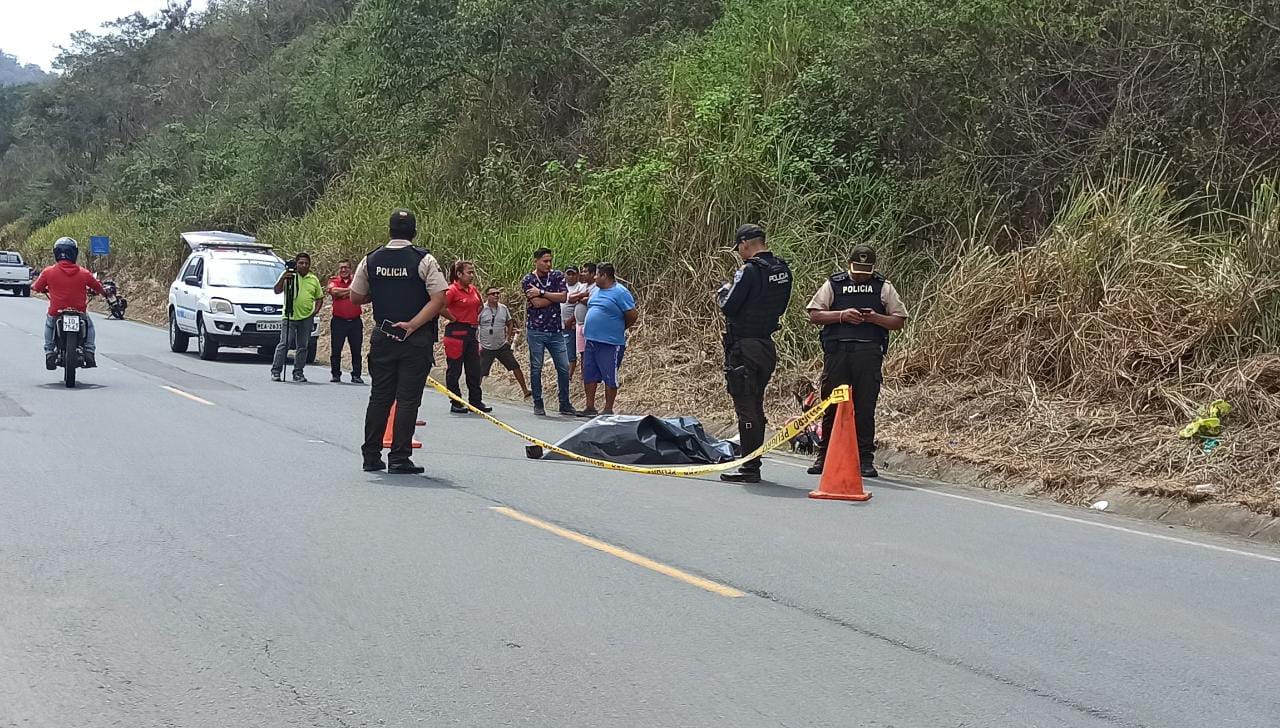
(15, 274)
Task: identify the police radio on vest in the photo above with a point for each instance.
(391, 272)
(858, 288)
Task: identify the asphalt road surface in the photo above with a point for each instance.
(185, 543)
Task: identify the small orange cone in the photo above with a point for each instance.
(391, 419)
(842, 471)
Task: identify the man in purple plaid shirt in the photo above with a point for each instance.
(545, 289)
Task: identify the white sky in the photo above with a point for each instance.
(32, 30)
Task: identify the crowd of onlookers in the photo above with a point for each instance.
(578, 317)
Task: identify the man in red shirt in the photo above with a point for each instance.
(346, 324)
(66, 285)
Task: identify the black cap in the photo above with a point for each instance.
(863, 256)
(747, 232)
(404, 226)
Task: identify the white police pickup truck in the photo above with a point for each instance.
(15, 274)
(224, 296)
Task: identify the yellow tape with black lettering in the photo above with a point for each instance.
(788, 431)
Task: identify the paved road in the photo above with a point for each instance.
(166, 562)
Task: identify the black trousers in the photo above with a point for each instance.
(350, 332)
(858, 365)
(748, 367)
(399, 371)
(469, 362)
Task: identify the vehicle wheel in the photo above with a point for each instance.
(311, 350)
(206, 345)
(70, 360)
(267, 352)
(177, 337)
(26, 292)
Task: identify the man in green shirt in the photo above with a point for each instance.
(303, 297)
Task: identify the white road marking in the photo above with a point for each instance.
(188, 395)
(1072, 519)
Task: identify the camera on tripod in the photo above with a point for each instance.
(291, 264)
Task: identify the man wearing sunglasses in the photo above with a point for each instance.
(856, 308)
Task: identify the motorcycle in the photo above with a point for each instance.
(115, 302)
(69, 330)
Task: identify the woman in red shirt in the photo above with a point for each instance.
(461, 347)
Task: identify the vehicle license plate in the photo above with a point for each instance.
(269, 325)
(70, 323)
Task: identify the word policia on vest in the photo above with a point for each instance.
(391, 272)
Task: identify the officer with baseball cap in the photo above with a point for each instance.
(856, 308)
(752, 306)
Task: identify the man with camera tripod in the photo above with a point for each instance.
(303, 297)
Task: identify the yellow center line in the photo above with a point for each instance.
(637, 559)
(188, 395)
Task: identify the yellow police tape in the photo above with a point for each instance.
(790, 430)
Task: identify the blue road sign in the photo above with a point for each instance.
(99, 245)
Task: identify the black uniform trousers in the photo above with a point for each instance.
(857, 364)
(469, 361)
(749, 365)
(349, 332)
(399, 372)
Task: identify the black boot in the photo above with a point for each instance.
(816, 468)
(405, 467)
(742, 476)
(51, 360)
(868, 470)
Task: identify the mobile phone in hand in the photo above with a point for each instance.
(389, 328)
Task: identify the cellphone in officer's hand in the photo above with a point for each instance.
(389, 328)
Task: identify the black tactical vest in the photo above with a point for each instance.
(397, 291)
(847, 294)
(758, 319)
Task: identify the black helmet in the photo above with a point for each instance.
(66, 249)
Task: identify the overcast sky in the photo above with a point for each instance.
(32, 30)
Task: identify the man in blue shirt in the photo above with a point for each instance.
(611, 310)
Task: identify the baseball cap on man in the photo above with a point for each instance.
(747, 232)
(403, 224)
(862, 258)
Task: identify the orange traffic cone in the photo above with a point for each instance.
(842, 471)
(391, 419)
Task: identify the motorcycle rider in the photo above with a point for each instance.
(67, 285)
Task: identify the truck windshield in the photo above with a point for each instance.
(244, 273)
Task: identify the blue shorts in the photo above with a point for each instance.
(600, 363)
(571, 343)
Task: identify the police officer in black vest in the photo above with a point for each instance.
(856, 309)
(752, 305)
(407, 289)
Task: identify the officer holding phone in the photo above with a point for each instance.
(856, 308)
(407, 288)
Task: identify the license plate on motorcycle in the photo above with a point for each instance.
(70, 323)
(269, 325)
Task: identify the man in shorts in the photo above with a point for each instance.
(496, 330)
(611, 310)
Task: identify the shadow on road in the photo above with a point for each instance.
(79, 385)
(416, 481)
(774, 490)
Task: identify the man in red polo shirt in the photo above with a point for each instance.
(66, 284)
(346, 324)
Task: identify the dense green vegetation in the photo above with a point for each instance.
(1076, 197)
(13, 73)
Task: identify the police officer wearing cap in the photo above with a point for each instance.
(407, 289)
(856, 308)
(752, 306)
